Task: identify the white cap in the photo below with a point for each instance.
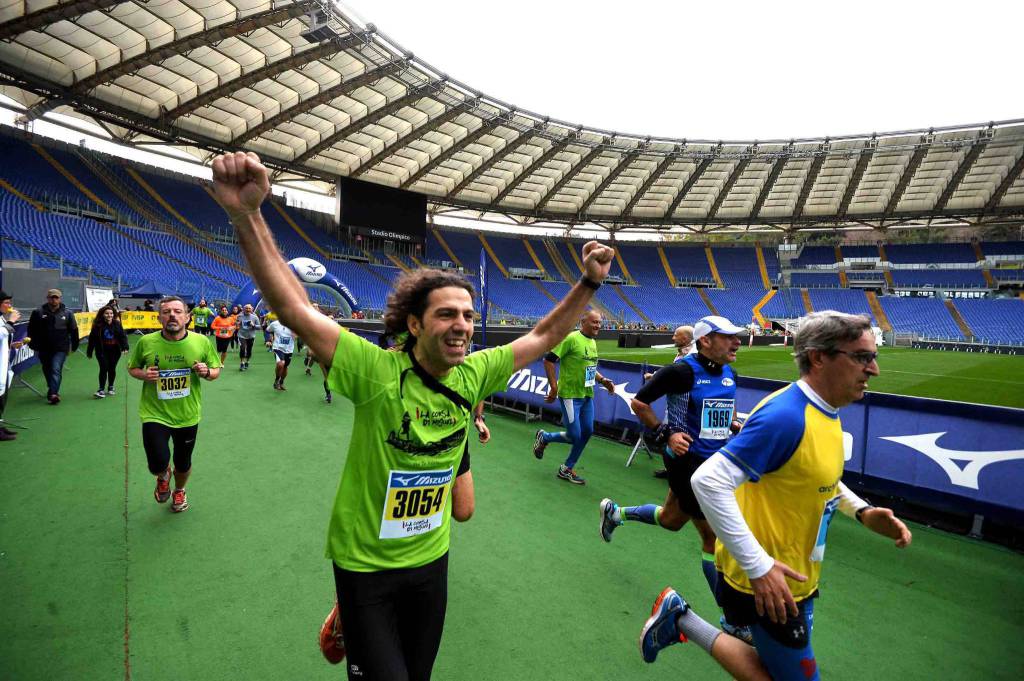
(715, 324)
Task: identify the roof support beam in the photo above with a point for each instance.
(692, 180)
(858, 173)
(499, 155)
(434, 123)
(518, 179)
(906, 177)
(1011, 177)
(773, 177)
(808, 185)
(328, 95)
(295, 62)
(569, 176)
(649, 182)
(735, 175)
(411, 96)
(457, 146)
(612, 176)
(70, 9)
(960, 174)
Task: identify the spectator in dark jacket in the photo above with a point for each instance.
(8, 316)
(54, 333)
(108, 340)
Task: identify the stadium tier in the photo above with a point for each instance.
(994, 321)
(925, 316)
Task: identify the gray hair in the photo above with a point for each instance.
(825, 331)
(171, 299)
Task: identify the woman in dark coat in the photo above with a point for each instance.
(108, 340)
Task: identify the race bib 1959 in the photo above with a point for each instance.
(173, 384)
(715, 419)
(414, 503)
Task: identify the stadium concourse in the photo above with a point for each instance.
(920, 230)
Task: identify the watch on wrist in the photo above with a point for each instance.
(590, 283)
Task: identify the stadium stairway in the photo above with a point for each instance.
(446, 247)
(155, 195)
(163, 254)
(714, 271)
(543, 290)
(762, 267)
(88, 193)
(761, 319)
(397, 263)
(119, 189)
(806, 297)
(493, 256)
(706, 298)
(843, 281)
(631, 304)
(558, 261)
(596, 301)
(4, 184)
(876, 309)
(668, 268)
(625, 270)
(290, 222)
(536, 260)
(958, 318)
(888, 273)
(980, 255)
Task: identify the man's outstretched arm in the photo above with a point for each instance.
(241, 183)
(597, 260)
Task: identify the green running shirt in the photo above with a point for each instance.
(577, 357)
(175, 400)
(392, 508)
(202, 315)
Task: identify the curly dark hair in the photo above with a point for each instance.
(409, 297)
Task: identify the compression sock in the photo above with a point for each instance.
(648, 513)
(697, 630)
(707, 564)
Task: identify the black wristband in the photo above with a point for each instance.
(860, 512)
(590, 283)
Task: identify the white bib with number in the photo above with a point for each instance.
(414, 503)
(174, 384)
(715, 419)
(591, 377)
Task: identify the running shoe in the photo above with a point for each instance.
(180, 501)
(163, 487)
(332, 640)
(110, 391)
(308, 372)
(742, 633)
(327, 398)
(100, 394)
(569, 474)
(660, 630)
(608, 522)
(539, 445)
(280, 386)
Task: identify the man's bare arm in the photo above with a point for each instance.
(241, 183)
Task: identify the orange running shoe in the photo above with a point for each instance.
(163, 487)
(332, 639)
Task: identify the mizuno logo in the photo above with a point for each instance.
(311, 270)
(405, 479)
(962, 476)
(625, 395)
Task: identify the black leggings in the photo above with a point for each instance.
(245, 348)
(393, 620)
(108, 357)
(155, 440)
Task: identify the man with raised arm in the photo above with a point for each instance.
(389, 529)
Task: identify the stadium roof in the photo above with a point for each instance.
(317, 96)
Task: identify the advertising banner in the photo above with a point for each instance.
(24, 357)
(145, 321)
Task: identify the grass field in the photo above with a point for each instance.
(98, 582)
(959, 376)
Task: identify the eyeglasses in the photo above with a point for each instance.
(862, 357)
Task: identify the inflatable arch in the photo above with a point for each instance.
(311, 274)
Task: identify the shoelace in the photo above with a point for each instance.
(179, 497)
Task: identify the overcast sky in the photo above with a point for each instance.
(725, 70)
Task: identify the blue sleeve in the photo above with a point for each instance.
(768, 438)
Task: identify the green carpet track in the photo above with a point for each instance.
(98, 582)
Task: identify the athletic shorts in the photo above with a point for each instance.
(222, 344)
(156, 438)
(393, 620)
(680, 470)
(285, 357)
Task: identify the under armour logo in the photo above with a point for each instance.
(967, 476)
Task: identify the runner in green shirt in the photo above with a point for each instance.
(573, 385)
(201, 314)
(389, 529)
(171, 362)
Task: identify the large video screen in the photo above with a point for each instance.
(382, 212)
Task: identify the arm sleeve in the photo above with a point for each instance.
(359, 369)
(714, 485)
(674, 378)
(767, 440)
(849, 502)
